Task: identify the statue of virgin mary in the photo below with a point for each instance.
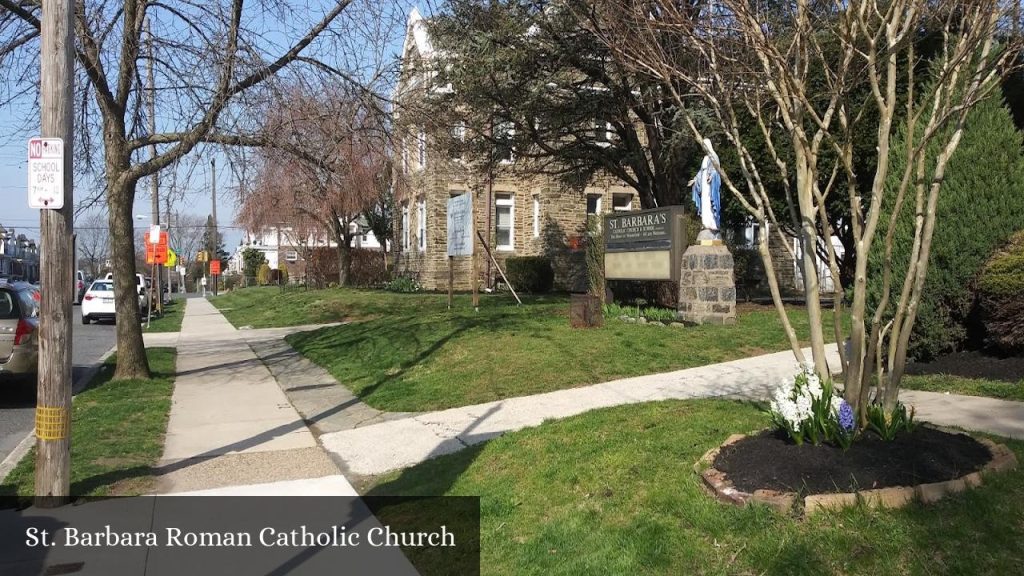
(706, 192)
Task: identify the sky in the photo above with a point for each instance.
(15, 213)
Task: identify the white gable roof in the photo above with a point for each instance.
(416, 35)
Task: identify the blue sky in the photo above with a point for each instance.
(14, 210)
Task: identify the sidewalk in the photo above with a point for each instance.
(230, 424)
(388, 446)
(235, 429)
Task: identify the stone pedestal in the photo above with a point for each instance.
(707, 291)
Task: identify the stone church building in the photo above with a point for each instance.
(518, 213)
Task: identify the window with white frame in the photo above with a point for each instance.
(603, 133)
(622, 202)
(536, 216)
(421, 147)
(593, 204)
(504, 208)
(421, 223)
(458, 139)
(405, 226)
(291, 256)
(504, 132)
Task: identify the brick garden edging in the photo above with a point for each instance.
(718, 484)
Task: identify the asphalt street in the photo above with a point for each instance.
(17, 398)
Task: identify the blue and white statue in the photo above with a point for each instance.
(706, 193)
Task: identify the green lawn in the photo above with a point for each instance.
(966, 386)
(170, 321)
(117, 433)
(613, 492)
(407, 352)
(270, 306)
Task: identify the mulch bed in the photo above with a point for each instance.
(973, 364)
(771, 461)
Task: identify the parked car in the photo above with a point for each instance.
(141, 287)
(98, 302)
(81, 283)
(19, 328)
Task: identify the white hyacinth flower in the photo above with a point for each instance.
(837, 402)
(814, 385)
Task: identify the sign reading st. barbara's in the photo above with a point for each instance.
(46, 173)
(460, 225)
(644, 245)
(648, 230)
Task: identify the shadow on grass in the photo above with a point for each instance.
(380, 344)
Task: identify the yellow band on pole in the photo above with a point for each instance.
(52, 423)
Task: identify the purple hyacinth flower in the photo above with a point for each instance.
(846, 416)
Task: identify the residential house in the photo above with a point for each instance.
(282, 246)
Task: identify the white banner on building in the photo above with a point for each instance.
(460, 225)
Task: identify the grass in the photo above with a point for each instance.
(170, 320)
(966, 386)
(407, 352)
(612, 492)
(270, 306)
(117, 433)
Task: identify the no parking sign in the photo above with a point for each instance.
(46, 173)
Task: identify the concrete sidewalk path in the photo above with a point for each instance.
(230, 424)
(393, 445)
(999, 417)
(401, 443)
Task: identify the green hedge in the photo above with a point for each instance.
(1000, 290)
(530, 273)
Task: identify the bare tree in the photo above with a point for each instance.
(92, 240)
(327, 167)
(211, 61)
(186, 235)
(751, 63)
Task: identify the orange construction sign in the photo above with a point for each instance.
(157, 253)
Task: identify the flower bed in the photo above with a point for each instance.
(924, 465)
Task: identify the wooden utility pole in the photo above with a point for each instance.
(53, 400)
(213, 197)
(154, 179)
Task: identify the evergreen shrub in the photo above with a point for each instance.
(1001, 297)
(980, 205)
(532, 274)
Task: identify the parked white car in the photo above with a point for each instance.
(140, 286)
(98, 302)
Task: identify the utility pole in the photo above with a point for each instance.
(53, 400)
(154, 182)
(167, 200)
(213, 197)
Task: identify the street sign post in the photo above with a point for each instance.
(46, 173)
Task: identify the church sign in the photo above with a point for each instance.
(644, 245)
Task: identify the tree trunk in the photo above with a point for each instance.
(344, 264)
(131, 351)
(808, 241)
